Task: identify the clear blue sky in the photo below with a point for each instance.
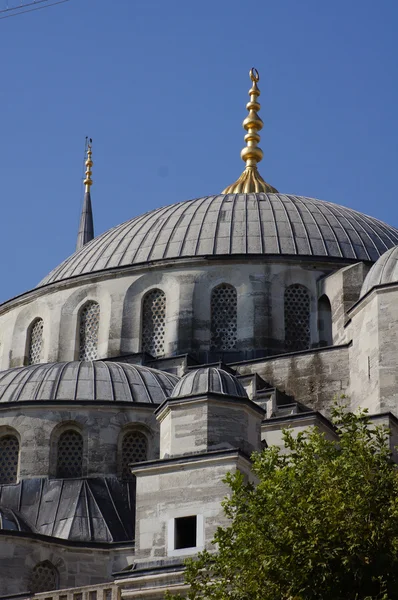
(161, 86)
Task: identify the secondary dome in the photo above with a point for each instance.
(207, 380)
(234, 224)
(96, 381)
(385, 270)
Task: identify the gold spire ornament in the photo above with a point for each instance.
(88, 182)
(251, 180)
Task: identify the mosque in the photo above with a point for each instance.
(159, 355)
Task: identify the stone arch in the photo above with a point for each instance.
(132, 311)
(325, 321)
(68, 343)
(297, 317)
(223, 318)
(24, 322)
(9, 455)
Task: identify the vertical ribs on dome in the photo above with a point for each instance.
(251, 181)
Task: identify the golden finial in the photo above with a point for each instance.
(251, 180)
(88, 182)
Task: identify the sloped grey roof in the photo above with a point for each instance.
(85, 510)
(100, 381)
(385, 270)
(234, 224)
(207, 380)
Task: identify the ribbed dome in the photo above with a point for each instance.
(234, 224)
(12, 521)
(97, 381)
(385, 270)
(208, 380)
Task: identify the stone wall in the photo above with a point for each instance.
(170, 489)
(314, 378)
(343, 289)
(75, 566)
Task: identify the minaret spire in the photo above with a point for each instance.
(251, 180)
(86, 227)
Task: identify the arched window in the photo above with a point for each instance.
(325, 321)
(154, 322)
(134, 449)
(35, 342)
(297, 318)
(224, 303)
(44, 578)
(9, 456)
(88, 331)
(70, 454)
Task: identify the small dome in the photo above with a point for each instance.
(241, 224)
(12, 521)
(209, 380)
(385, 270)
(92, 381)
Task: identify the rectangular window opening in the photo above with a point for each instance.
(185, 532)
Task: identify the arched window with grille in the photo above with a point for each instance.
(88, 331)
(70, 454)
(44, 578)
(9, 458)
(297, 318)
(35, 341)
(134, 449)
(154, 323)
(224, 316)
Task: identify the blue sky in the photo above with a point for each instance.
(161, 86)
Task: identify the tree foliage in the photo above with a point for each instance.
(320, 523)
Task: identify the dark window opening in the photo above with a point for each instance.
(185, 532)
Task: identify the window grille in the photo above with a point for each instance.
(297, 318)
(44, 578)
(134, 449)
(154, 323)
(70, 454)
(224, 304)
(35, 342)
(89, 325)
(9, 454)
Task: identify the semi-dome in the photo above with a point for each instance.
(91, 381)
(10, 520)
(234, 224)
(385, 270)
(207, 380)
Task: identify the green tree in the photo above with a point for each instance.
(321, 523)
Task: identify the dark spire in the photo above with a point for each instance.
(86, 227)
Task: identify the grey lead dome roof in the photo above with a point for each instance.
(385, 270)
(207, 380)
(97, 381)
(240, 224)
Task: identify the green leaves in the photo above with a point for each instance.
(322, 522)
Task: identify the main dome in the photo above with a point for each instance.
(234, 224)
